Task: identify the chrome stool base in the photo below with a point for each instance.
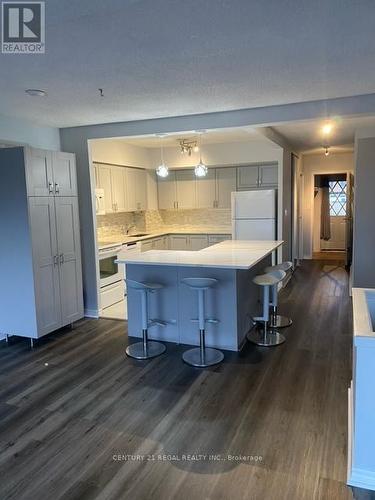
(268, 338)
(195, 357)
(138, 350)
(279, 321)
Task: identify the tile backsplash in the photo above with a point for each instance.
(154, 220)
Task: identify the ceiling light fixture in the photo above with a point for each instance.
(162, 170)
(188, 147)
(200, 169)
(36, 92)
(327, 128)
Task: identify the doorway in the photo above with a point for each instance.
(332, 216)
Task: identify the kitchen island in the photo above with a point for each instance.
(232, 302)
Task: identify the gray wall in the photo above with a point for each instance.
(363, 267)
(16, 131)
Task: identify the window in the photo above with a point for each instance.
(337, 198)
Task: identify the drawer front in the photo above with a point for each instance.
(112, 294)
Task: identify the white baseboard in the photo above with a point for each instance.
(360, 478)
(91, 313)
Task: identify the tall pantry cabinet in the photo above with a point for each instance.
(40, 254)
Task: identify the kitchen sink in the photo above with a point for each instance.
(137, 235)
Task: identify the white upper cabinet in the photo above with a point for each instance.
(50, 173)
(118, 184)
(140, 188)
(167, 194)
(186, 189)
(39, 173)
(206, 190)
(136, 189)
(226, 183)
(268, 175)
(248, 177)
(64, 174)
(105, 182)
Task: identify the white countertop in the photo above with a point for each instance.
(363, 298)
(122, 239)
(228, 254)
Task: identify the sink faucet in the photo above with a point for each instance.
(129, 227)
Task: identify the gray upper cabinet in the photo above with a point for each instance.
(50, 173)
(226, 183)
(268, 175)
(257, 176)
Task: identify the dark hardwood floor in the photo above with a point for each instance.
(75, 406)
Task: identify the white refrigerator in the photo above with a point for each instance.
(254, 215)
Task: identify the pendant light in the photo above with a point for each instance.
(200, 169)
(162, 170)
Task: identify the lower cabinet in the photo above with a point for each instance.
(192, 242)
(57, 261)
(213, 239)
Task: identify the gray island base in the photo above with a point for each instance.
(233, 301)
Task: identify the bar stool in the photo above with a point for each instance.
(202, 356)
(147, 348)
(264, 335)
(276, 320)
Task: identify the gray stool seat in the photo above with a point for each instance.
(263, 334)
(268, 279)
(283, 266)
(146, 349)
(278, 321)
(202, 356)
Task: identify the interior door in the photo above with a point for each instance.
(46, 270)
(69, 250)
(186, 189)
(39, 174)
(64, 174)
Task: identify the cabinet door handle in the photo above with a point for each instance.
(61, 258)
(55, 260)
(50, 187)
(57, 188)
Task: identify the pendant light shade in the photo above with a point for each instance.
(162, 170)
(200, 170)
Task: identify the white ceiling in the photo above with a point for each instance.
(157, 58)
(308, 135)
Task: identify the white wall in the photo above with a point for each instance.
(118, 152)
(253, 151)
(318, 164)
(15, 131)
